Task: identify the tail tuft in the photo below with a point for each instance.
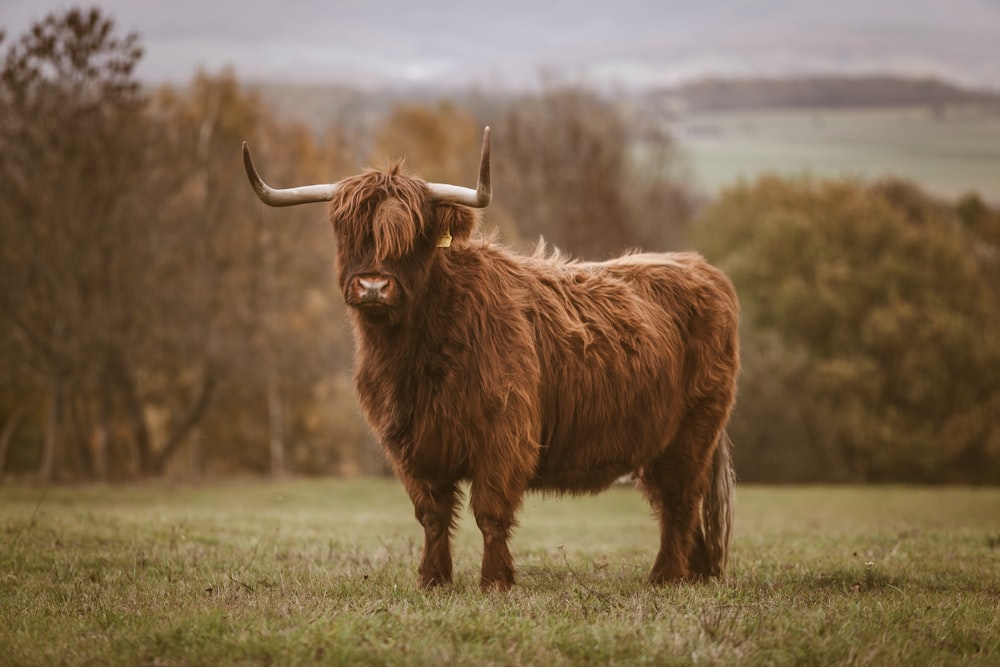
(717, 507)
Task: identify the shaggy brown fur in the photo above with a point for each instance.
(536, 372)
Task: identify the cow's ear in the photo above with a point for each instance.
(456, 221)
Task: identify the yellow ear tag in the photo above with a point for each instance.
(445, 241)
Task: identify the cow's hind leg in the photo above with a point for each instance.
(675, 484)
(435, 506)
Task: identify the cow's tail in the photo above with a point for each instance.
(717, 507)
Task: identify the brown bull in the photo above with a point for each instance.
(514, 372)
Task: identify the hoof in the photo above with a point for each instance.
(433, 581)
(667, 579)
(495, 585)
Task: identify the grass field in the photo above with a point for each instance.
(949, 152)
(323, 572)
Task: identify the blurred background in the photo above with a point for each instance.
(840, 161)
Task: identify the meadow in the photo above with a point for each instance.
(948, 151)
(323, 572)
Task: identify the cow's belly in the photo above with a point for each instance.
(573, 479)
(586, 447)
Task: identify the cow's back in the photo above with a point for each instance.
(625, 346)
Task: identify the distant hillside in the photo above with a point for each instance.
(320, 105)
(817, 92)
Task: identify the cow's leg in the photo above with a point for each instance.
(699, 565)
(435, 506)
(494, 511)
(675, 484)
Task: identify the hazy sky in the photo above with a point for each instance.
(515, 41)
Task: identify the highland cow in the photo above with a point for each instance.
(514, 373)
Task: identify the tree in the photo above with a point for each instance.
(887, 329)
(148, 300)
(568, 173)
(71, 127)
(256, 280)
(440, 141)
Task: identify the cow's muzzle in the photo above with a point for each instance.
(372, 289)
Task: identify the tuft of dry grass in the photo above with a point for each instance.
(324, 572)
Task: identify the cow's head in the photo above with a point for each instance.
(389, 227)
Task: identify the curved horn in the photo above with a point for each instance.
(478, 198)
(289, 196)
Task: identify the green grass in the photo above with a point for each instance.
(323, 572)
(950, 154)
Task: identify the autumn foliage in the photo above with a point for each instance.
(871, 330)
(155, 319)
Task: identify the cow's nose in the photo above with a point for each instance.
(376, 285)
(372, 288)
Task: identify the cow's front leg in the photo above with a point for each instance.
(435, 507)
(495, 517)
